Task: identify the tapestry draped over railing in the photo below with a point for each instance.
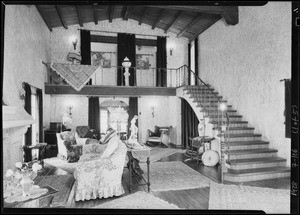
(75, 74)
(126, 48)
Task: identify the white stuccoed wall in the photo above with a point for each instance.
(168, 111)
(26, 45)
(245, 63)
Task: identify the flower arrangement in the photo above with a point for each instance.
(13, 179)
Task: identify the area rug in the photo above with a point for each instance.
(138, 200)
(158, 153)
(233, 197)
(174, 175)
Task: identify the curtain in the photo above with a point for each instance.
(85, 48)
(28, 134)
(189, 63)
(39, 94)
(161, 62)
(189, 123)
(132, 110)
(126, 48)
(288, 108)
(94, 113)
(196, 61)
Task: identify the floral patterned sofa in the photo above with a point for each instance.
(97, 176)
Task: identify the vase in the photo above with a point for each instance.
(26, 184)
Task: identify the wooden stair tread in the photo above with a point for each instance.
(267, 170)
(254, 142)
(238, 128)
(242, 135)
(231, 122)
(256, 160)
(251, 151)
(229, 116)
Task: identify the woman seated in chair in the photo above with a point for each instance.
(100, 168)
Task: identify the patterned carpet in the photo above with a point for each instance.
(174, 175)
(138, 200)
(232, 197)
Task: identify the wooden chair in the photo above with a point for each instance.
(160, 136)
(198, 146)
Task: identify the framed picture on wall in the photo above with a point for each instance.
(143, 61)
(101, 58)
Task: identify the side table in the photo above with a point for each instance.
(138, 154)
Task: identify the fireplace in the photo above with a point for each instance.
(15, 124)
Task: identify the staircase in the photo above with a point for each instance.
(249, 158)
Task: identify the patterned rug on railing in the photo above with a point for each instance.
(76, 75)
(233, 197)
(174, 175)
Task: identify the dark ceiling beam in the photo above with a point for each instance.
(95, 15)
(174, 19)
(58, 9)
(126, 13)
(206, 26)
(143, 15)
(158, 18)
(43, 17)
(229, 13)
(195, 20)
(79, 16)
(111, 12)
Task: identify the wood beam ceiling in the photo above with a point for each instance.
(58, 9)
(43, 17)
(158, 18)
(193, 22)
(174, 19)
(126, 13)
(143, 15)
(111, 12)
(95, 15)
(79, 16)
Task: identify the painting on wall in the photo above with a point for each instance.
(143, 61)
(101, 58)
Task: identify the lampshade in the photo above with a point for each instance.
(113, 103)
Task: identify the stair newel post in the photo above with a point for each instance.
(223, 155)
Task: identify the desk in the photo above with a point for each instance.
(138, 154)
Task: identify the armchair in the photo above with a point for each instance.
(99, 176)
(161, 135)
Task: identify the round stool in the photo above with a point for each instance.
(210, 158)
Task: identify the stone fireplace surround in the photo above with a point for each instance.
(15, 124)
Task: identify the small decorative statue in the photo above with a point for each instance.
(132, 140)
(201, 128)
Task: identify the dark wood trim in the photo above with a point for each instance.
(143, 15)
(95, 15)
(60, 14)
(196, 60)
(97, 90)
(193, 22)
(79, 16)
(43, 17)
(189, 62)
(158, 18)
(213, 21)
(126, 12)
(110, 39)
(175, 18)
(111, 12)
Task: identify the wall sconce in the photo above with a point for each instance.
(171, 46)
(74, 41)
(70, 110)
(153, 108)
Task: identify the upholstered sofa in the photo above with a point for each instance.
(97, 176)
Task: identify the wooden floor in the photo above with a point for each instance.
(186, 199)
